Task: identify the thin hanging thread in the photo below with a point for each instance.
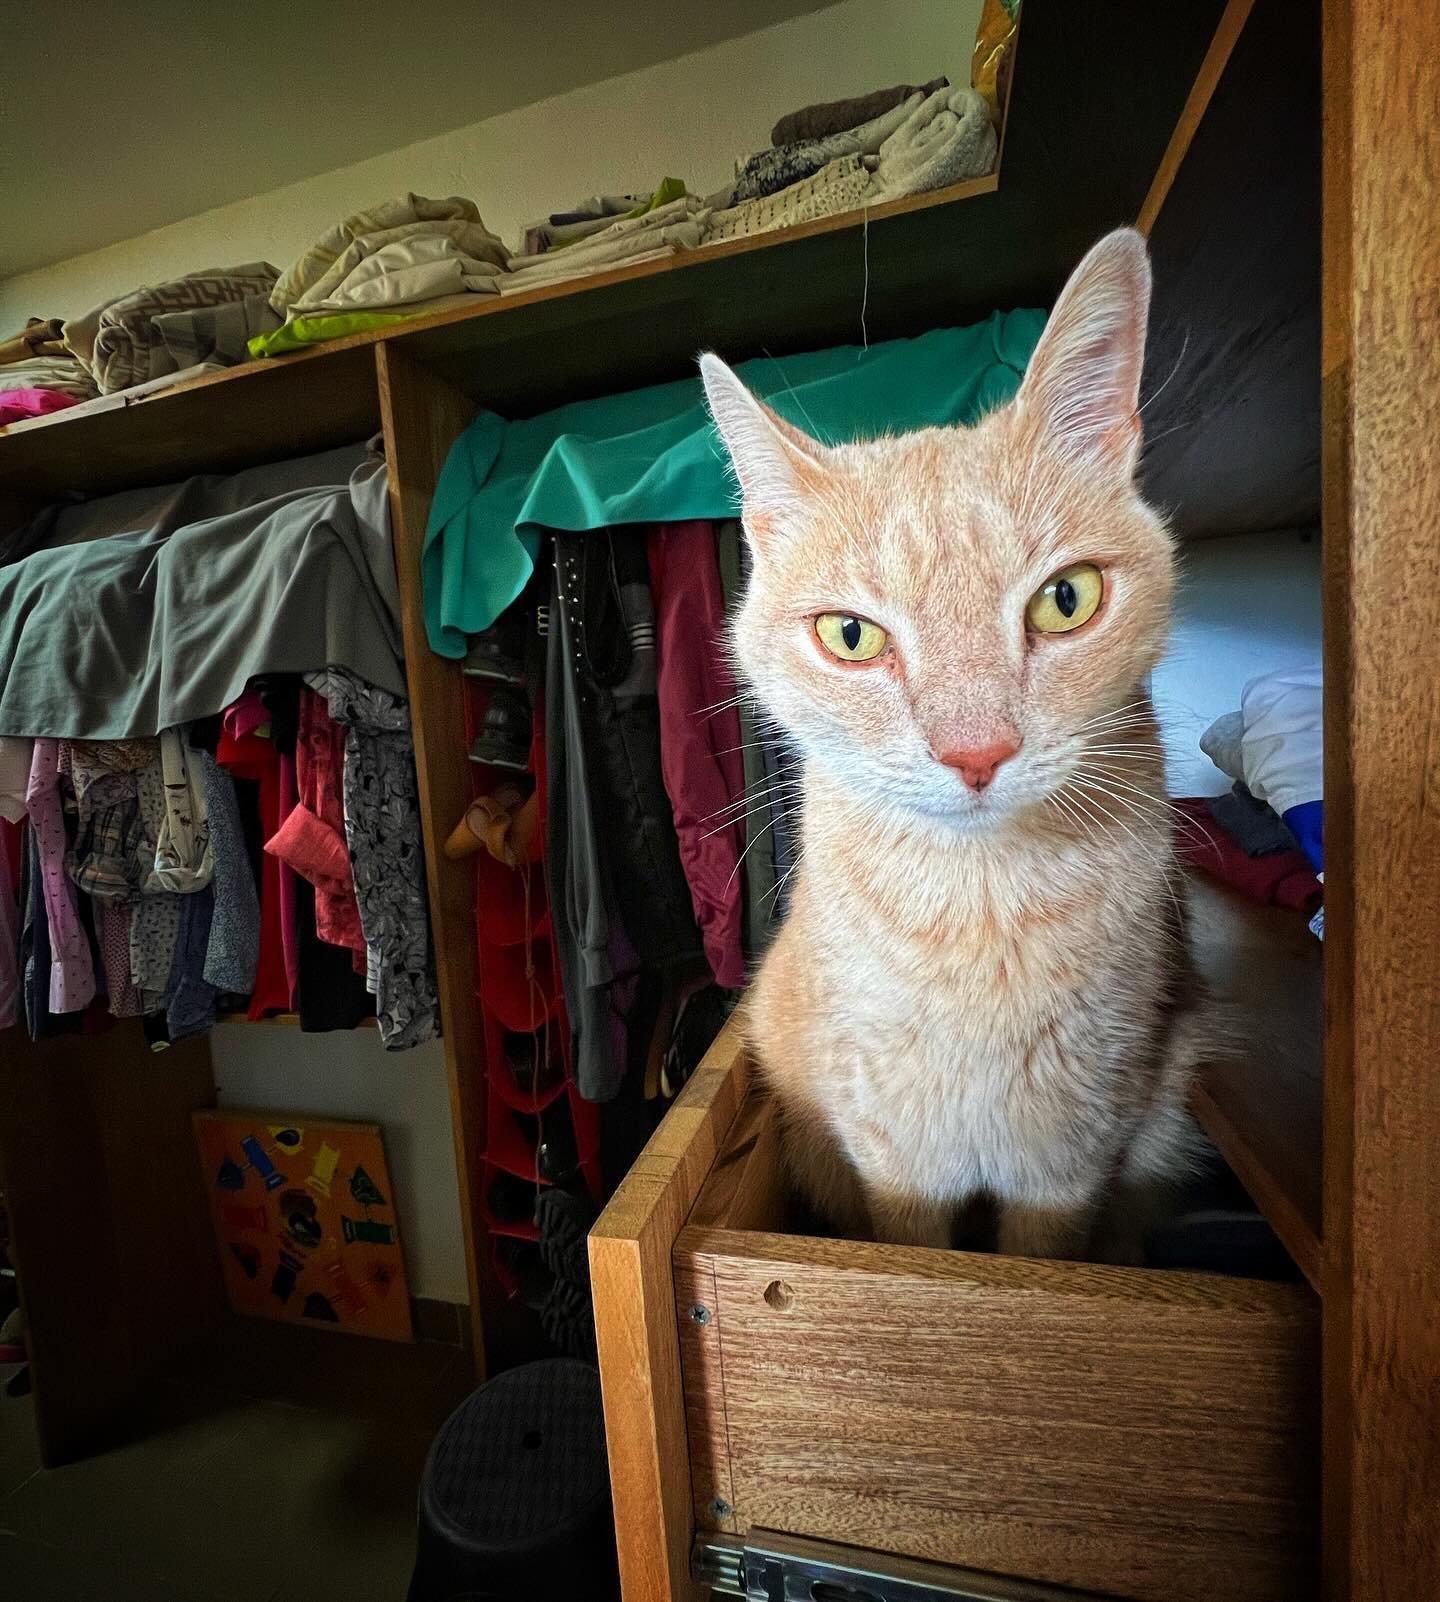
(865, 292)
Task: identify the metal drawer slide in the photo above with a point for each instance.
(768, 1567)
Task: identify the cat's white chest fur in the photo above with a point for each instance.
(964, 1036)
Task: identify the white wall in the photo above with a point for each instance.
(1248, 604)
(690, 118)
(350, 1075)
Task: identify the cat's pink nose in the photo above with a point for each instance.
(977, 767)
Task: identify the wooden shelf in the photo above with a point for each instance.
(1263, 1106)
(1071, 170)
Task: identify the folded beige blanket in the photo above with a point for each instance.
(398, 266)
(118, 342)
(348, 267)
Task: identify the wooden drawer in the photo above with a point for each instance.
(1126, 1432)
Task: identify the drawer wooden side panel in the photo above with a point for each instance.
(1139, 1434)
(638, 1344)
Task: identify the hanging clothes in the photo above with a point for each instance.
(233, 949)
(608, 609)
(328, 992)
(383, 834)
(572, 864)
(180, 846)
(312, 838)
(34, 955)
(280, 696)
(189, 997)
(114, 938)
(15, 759)
(155, 920)
(700, 736)
(11, 845)
(246, 754)
(72, 971)
(104, 860)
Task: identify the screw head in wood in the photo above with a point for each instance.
(700, 1314)
(721, 1508)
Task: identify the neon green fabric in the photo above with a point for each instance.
(670, 189)
(652, 456)
(302, 331)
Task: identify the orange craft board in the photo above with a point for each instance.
(304, 1214)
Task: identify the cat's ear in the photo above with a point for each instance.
(772, 459)
(1082, 386)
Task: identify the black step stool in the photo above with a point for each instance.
(515, 1494)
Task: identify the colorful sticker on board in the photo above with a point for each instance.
(346, 1290)
(322, 1170)
(364, 1229)
(297, 1208)
(247, 1257)
(284, 1241)
(234, 1216)
(259, 1160)
(230, 1175)
(365, 1190)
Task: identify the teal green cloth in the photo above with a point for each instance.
(652, 456)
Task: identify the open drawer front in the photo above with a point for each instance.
(1126, 1432)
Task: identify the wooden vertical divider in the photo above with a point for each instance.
(110, 1234)
(422, 416)
(1381, 512)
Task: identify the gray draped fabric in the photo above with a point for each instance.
(194, 589)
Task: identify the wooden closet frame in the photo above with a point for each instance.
(73, 1113)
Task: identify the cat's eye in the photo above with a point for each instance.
(850, 639)
(1066, 599)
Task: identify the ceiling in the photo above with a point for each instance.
(136, 116)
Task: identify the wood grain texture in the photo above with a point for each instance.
(1227, 31)
(422, 417)
(633, 1288)
(747, 1186)
(704, 1386)
(1262, 1105)
(1382, 781)
(117, 1266)
(1143, 1435)
(256, 413)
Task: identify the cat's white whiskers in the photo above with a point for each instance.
(753, 801)
(1163, 806)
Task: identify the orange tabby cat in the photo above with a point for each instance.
(977, 987)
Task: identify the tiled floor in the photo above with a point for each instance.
(280, 1468)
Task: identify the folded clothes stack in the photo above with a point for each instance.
(160, 330)
(673, 220)
(926, 142)
(405, 257)
(593, 216)
(37, 374)
(1273, 748)
(412, 255)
